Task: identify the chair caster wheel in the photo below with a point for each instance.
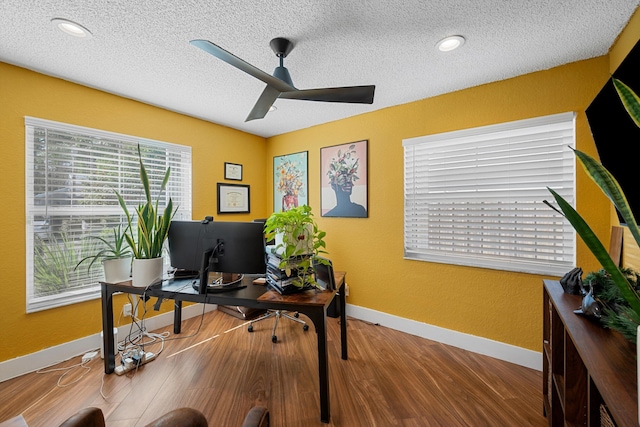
(274, 339)
(250, 328)
(305, 327)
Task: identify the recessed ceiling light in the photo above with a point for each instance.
(272, 108)
(71, 28)
(450, 43)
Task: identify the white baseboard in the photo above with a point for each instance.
(498, 350)
(50, 356)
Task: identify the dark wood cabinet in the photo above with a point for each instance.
(589, 372)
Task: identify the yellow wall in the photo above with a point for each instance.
(493, 304)
(25, 93)
(625, 42)
(497, 305)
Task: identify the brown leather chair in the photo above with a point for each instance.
(258, 416)
(183, 417)
(87, 417)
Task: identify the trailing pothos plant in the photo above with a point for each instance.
(302, 243)
(147, 238)
(629, 314)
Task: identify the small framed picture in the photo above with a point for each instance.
(233, 198)
(232, 171)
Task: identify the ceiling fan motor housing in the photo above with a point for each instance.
(283, 74)
(281, 47)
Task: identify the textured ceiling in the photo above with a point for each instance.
(140, 48)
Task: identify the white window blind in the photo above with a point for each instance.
(475, 197)
(71, 175)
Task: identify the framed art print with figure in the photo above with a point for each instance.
(290, 181)
(343, 180)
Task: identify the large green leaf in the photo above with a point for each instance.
(610, 187)
(144, 178)
(128, 231)
(629, 99)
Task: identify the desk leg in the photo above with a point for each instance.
(107, 330)
(177, 316)
(319, 318)
(342, 300)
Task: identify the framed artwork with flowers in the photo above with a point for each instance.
(343, 180)
(290, 181)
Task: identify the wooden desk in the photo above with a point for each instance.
(312, 303)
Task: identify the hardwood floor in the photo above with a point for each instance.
(390, 379)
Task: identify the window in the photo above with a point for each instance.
(71, 175)
(475, 197)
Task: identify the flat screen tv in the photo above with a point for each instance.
(614, 132)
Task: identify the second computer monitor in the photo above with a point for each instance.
(239, 248)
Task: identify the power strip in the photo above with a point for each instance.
(129, 364)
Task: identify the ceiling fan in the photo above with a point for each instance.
(280, 84)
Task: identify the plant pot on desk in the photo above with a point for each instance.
(117, 269)
(146, 272)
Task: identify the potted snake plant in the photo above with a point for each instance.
(147, 236)
(114, 254)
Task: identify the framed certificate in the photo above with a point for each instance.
(232, 171)
(233, 198)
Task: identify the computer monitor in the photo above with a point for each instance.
(239, 248)
(187, 242)
(323, 270)
(263, 221)
(217, 246)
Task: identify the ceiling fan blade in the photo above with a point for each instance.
(350, 94)
(266, 100)
(242, 65)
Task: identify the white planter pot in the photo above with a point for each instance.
(117, 270)
(146, 272)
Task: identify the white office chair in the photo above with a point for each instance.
(324, 277)
(278, 314)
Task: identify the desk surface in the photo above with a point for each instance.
(182, 289)
(311, 297)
